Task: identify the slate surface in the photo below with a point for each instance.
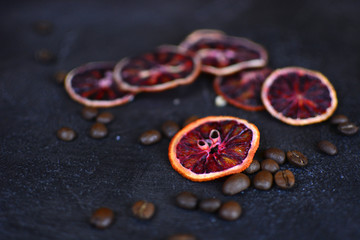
(49, 188)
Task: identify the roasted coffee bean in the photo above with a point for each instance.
(105, 117)
(182, 236)
(210, 204)
(43, 27)
(254, 167)
(230, 211)
(89, 113)
(348, 128)
(297, 158)
(270, 165)
(143, 210)
(337, 119)
(275, 154)
(285, 179)
(45, 56)
(235, 184)
(186, 200)
(150, 137)
(327, 147)
(98, 130)
(66, 134)
(102, 218)
(170, 128)
(263, 180)
(190, 120)
(60, 76)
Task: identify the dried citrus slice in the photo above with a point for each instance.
(243, 89)
(213, 147)
(299, 96)
(222, 54)
(164, 68)
(93, 85)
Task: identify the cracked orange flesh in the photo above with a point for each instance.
(213, 147)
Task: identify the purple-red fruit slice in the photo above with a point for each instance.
(222, 54)
(93, 85)
(213, 147)
(243, 89)
(164, 68)
(299, 96)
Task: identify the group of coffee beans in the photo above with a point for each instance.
(168, 129)
(266, 172)
(104, 217)
(44, 55)
(98, 130)
(344, 126)
(230, 210)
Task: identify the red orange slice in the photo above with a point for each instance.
(164, 68)
(222, 54)
(93, 85)
(213, 147)
(299, 96)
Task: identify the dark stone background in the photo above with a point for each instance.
(48, 188)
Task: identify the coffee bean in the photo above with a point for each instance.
(98, 130)
(297, 158)
(66, 134)
(102, 218)
(235, 184)
(348, 128)
(270, 165)
(276, 154)
(186, 200)
(210, 205)
(263, 180)
(285, 179)
(150, 137)
(182, 236)
(254, 167)
(60, 76)
(45, 56)
(170, 128)
(327, 147)
(230, 211)
(105, 117)
(337, 119)
(43, 27)
(190, 120)
(143, 210)
(89, 113)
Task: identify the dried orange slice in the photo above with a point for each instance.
(164, 68)
(93, 85)
(222, 54)
(243, 89)
(299, 96)
(213, 147)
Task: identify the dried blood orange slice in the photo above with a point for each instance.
(299, 96)
(243, 89)
(164, 68)
(213, 147)
(222, 54)
(93, 85)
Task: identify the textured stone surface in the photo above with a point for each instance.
(49, 188)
